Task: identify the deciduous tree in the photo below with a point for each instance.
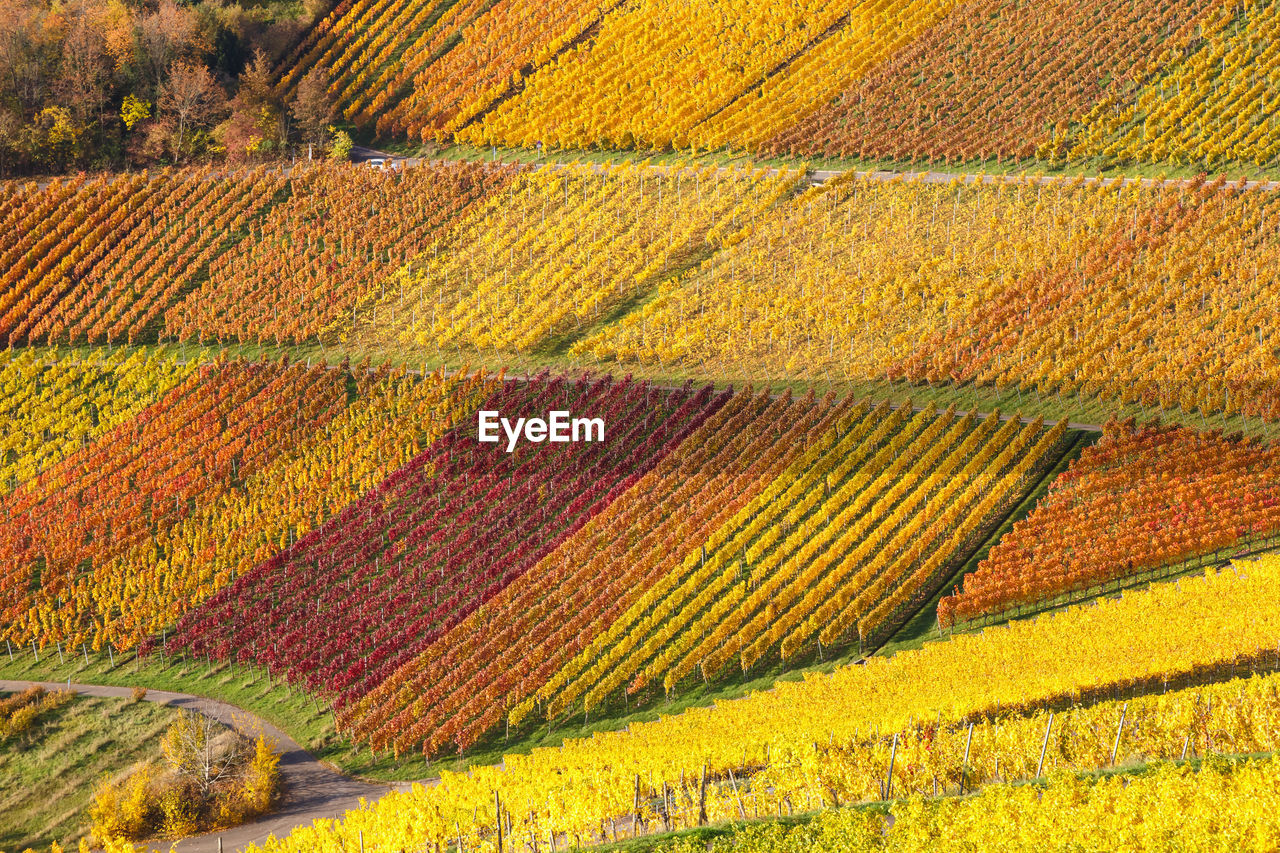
(193, 99)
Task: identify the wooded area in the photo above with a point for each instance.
(114, 83)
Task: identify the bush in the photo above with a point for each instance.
(181, 812)
(211, 779)
(341, 147)
(261, 780)
(126, 807)
(18, 713)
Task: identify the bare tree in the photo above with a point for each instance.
(193, 98)
(84, 83)
(166, 35)
(28, 52)
(198, 756)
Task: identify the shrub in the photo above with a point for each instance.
(211, 779)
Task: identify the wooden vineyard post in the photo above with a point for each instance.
(1119, 730)
(702, 797)
(1208, 737)
(360, 835)
(742, 812)
(893, 753)
(1044, 746)
(666, 807)
(964, 765)
(497, 814)
(635, 810)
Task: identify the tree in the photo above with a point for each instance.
(196, 755)
(30, 48)
(313, 107)
(167, 35)
(85, 78)
(193, 99)
(257, 121)
(134, 110)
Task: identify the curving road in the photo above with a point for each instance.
(311, 790)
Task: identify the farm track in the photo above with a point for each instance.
(312, 790)
(821, 176)
(360, 154)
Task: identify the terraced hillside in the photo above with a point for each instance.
(657, 452)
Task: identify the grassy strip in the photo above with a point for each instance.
(294, 712)
(48, 774)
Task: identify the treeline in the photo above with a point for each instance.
(114, 83)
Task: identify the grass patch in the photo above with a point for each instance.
(47, 775)
(304, 719)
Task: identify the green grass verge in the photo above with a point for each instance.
(48, 774)
(294, 712)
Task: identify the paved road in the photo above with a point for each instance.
(360, 155)
(819, 176)
(311, 790)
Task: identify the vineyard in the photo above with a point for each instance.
(341, 529)
(228, 465)
(590, 580)
(915, 509)
(930, 81)
(806, 744)
(692, 272)
(1140, 500)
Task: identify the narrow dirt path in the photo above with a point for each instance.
(311, 790)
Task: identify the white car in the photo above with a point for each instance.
(378, 163)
